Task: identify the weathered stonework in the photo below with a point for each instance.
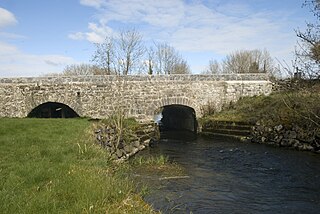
(141, 96)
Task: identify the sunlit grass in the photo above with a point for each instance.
(159, 160)
(159, 166)
(278, 108)
(52, 166)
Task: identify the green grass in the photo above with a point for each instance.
(278, 108)
(248, 109)
(52, 166)
(160, 160)
(295, 110)
(158, 166)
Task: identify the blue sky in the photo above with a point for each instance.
(39, 37)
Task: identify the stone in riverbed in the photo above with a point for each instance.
(278, 138)
(128, 148)
(141, 147)
(119, 153)
(278, 128)
(120, 146)
(146, 142)
(290, 134)
(288, 142)
(136, 144)
(307, 147)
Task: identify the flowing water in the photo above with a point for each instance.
(226, 176)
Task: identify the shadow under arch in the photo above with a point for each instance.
(178, 122)
(52, 110)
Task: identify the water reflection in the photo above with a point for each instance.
(233, 177)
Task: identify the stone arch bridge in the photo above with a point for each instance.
(141, 96)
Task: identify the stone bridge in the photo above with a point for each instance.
(141, 97)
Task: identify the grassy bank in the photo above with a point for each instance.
(252, 109)
(287, 108)
(52, 166)
(296, 110)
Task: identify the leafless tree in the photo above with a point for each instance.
(181, 67)
(169, 61)
(120, 54)
(213, 68)
(81, 70)
(126, 53)
(130, 50)
(149, 63)
(249, 61)
(165, 58)
(104, 56)
(237, 62)
(308, 48)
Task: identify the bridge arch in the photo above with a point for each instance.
(178, 118)
(184, 101)
(52, 110)
(176, 115)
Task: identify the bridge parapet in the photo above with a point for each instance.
(111, 78)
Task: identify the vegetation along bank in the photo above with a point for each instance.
(54, 166)
(289, 117)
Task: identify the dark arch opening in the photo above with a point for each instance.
(178, 122)
(53, 110)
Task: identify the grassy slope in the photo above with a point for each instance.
(291, 108)
(50, 166)
(250, 109)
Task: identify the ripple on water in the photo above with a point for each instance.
(233, 177)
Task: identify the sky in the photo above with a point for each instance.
(39, 37)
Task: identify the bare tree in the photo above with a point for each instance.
(150, 60)
(253, 61)
(81, 70)
(237, 62)
(213, 68)
(124, 53)
(308, 49)
(104, 56)
(130, 50)
(169, 61)
(181, 67)
(165, 58)
(121, 54)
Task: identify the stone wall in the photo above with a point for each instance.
(141, 96)
(293, 137)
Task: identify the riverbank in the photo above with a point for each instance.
(288, 118)
(123, 137)
(53, 166)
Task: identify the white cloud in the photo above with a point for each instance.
(165, 13)
(15, 63)
(97, 33)
(195, 26)
(91, 3)
(24, 65)
(77, 36)
(57, 60)
(6, 18)
(6, 49)
(220, 33)
(159, 14)
(7, 35)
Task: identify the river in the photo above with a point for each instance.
(226, 176)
